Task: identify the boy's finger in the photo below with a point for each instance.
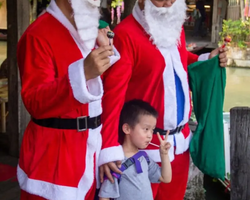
(159, 137)
(166, 137)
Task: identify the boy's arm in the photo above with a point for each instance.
(100, 198)
(166, 170)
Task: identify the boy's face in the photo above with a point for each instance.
(141, 135)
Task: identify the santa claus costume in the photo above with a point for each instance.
(61, 144)
(153, 67)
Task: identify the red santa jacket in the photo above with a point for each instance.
(140, 74)
(54, 163)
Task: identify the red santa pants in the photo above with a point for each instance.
(175, 190)
(26, 196)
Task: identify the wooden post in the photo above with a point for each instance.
(18, 21)
(242, 10)
(215, 23)
(240, 153)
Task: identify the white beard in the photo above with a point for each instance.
(86, 15)
(164, 25)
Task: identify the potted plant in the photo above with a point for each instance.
(239, 31)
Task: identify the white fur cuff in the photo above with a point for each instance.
(84, 92)
(203, 57)
(111, 154)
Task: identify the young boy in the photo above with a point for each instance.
(136, 127)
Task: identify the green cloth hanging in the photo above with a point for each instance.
(207, 83)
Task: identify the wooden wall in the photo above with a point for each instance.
(18, 21)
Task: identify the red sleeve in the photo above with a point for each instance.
(115, 83)
(192, 58)
(44, 93)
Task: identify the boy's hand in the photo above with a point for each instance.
(164, 144)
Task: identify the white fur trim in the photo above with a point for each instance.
(182, 145)
(110, 154)
(84, 92)
(94, 145)
(182, 74)
(95, 109)
(58, 192)
(173, 63)
(45, 189)
(203, 57)
(170, 107)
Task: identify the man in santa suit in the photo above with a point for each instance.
(153, 67)
(61, 57)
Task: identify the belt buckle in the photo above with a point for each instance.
(78, 123)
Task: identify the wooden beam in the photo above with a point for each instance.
(240, 153)
(18, 21)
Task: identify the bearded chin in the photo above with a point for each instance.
(164, 25)
(86, 16)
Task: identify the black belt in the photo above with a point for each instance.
(172, 132)
(80, 123)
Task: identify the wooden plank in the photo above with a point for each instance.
(240, 153)
(18, 21)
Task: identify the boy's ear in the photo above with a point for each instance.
(126, 128)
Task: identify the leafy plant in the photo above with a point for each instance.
(238, 30)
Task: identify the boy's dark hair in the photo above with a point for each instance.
(130, 114)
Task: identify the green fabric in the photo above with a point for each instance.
(207, 83)
(102, 24)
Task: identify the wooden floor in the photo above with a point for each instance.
(9, 188)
